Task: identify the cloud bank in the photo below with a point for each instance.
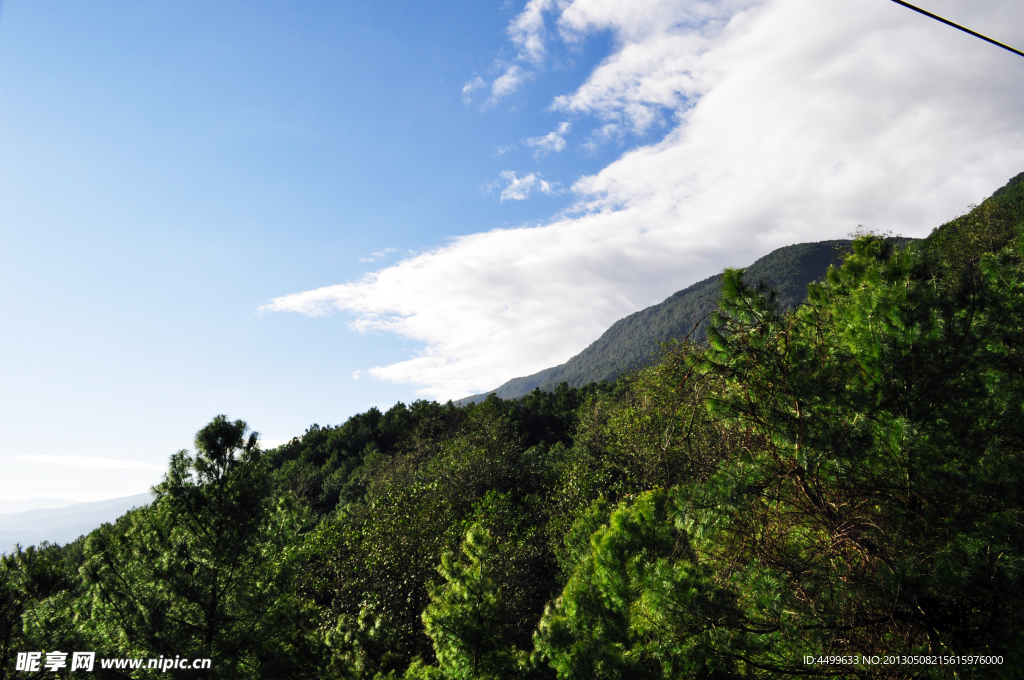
(786, 121)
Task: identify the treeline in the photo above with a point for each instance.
(837, 481)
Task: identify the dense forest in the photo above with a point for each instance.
(829, 491)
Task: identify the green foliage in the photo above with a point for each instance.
(875, 504)
(323, 467)
(467, 618)
(639, 606)
(365, 646)
(27, 577)
(653, 432)
(380, 557)
(205, 571)
(11, 610)
(958, 246)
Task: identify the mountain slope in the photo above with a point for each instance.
(633, 341)
(63, 525)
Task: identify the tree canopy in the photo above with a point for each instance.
(831, 490)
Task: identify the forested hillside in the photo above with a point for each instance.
(839, 482)
(634, 341)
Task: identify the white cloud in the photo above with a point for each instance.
(638, 20)
(640, 81)
(378, 255)
(658, 66)
(602, 135)
(527, 30)
(90, 462)
(790, 121)
(519, 188)
(529, 35)
(471, 86)
(552, 141)
(508, 82)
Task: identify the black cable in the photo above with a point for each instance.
(965, 30)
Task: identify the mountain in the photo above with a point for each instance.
(63, 525)
(633, 342)
(7, 507)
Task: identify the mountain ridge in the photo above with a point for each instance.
(634, 340)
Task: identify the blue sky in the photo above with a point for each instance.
(290, 212)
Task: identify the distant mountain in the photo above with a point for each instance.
(633, 342)
(7, 507)
(62, 525)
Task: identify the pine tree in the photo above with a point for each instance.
(466, 618)
(206, 570)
